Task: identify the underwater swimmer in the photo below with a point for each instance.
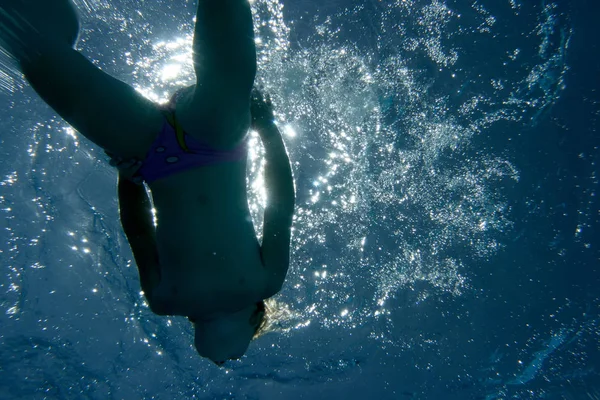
(202, 259)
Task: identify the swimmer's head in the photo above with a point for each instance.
(227, 337)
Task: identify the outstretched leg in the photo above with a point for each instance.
(218, 108)
(40, 35)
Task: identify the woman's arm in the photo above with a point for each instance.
(279, 212)
(279, 182)
(135, 210)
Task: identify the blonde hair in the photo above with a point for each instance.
(275, 314)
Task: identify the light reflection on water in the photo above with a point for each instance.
(394, 193)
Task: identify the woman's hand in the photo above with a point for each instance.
(127, 168)
(261, 109)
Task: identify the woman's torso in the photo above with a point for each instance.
(208, 251)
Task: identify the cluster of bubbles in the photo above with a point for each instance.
(383, 131)
(389, 110)
(394, 190)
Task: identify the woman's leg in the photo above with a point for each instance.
(20, 24)
(218, 108)
(40, 35)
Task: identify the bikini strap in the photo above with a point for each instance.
(179, 132)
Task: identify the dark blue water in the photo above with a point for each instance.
(446, 161)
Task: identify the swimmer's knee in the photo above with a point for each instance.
(65, 21)
(57, 20)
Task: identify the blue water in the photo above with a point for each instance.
(445, 246)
